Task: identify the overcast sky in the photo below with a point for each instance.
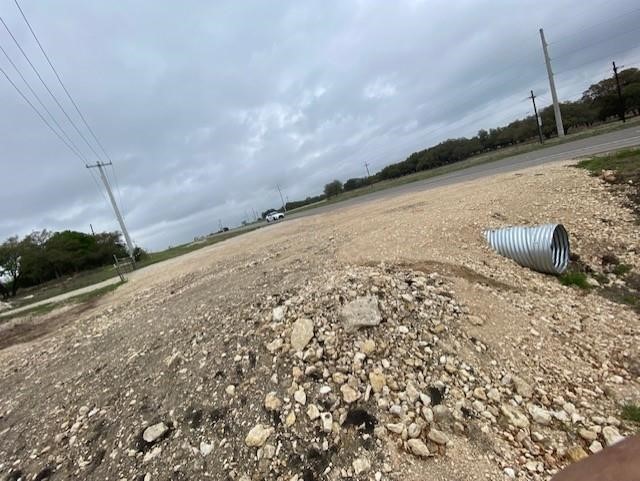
(205, 106)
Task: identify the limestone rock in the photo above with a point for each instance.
(349, 394)
(272, 403)
(155, 432)
(438, 437)
(301, 333)
(418, 448)
(514, 416)
(377, 381)
(258, 436)
(361, 312)
(361, 465)
(576, 453)
(611, 435)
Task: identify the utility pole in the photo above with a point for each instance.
(535, 110)
(92, 232)
(284, 207)
(366, 165)
(219, 224)
(105, 181)
(552, 86)
(620, 97)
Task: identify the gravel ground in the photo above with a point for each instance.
(381, 341)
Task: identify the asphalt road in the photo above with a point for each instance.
(592, 145)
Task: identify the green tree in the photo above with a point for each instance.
(333, 188)
(10, 253)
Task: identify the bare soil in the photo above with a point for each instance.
(78, 388)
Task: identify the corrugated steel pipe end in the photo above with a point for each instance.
(543, 248)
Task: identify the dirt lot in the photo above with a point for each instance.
(241, 362)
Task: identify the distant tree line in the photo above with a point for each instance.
(44, 255)
(599, 103)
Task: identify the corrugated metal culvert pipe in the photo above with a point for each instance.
(543, 248)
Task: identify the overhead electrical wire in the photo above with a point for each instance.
(37, 97)
(73, 102)
(582, 47)
(589, 27)
(53, 96)
(39, 114)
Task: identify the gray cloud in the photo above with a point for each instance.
(205, 107)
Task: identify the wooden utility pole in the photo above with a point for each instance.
(620, 97)
(535, 110)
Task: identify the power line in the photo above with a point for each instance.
(582, 47)
(75, 105)
(39, 114)
(55, 99)
(73, 102)
(607, 56)
(573, 34)
(53, 119)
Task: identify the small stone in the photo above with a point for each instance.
(539, 415)
(361, 312)
(479, 393)
(205, 448)
(414, 430)
(301, 333)
(155, 432)
(327, 422)
(313, 412)
(510, 473)
(395, 427)
(378, 381)
(369, 347)
(418, 448)
(271, 402)
(230, 390)
(476, 321)
(361, 465)
(595, 447)
(275, 345)
(611, 435)
(514, 416)
(522, 387)
(412, 393)
(441, 413)
(494, 395)
(438, 437)
(268, 451)
(378, 476)
(155, 452)
(258, 436)
(277, 314)
(83, 411)
(396, 410)
(591, 282)
(576, 453)
(290, 420)
(587, 434)
(349, 394)
(339, 378)
(300, 396)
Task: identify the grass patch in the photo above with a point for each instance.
(578, 279)
(626, 163)
(88, 278)
(631, 412)
(621, 269)
(42, 309)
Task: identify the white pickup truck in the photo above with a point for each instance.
(274, 216)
